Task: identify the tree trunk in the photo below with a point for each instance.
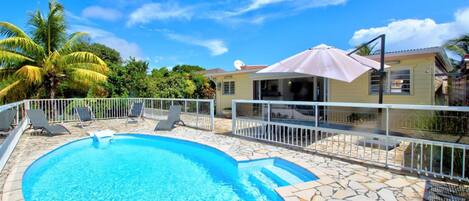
(53, 88)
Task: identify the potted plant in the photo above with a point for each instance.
(226, 112)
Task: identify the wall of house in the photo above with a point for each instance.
(243, 90)
(422, 86)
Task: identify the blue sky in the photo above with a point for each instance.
(215, 33)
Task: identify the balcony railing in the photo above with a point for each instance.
(197, 113)
(431, 140)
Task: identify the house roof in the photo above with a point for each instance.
(438, 51)
(253, 67)
(244, 69)
(412, 51)
(211, 71)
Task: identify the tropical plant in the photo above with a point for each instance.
(46, 60)
(459, 45)
(366, 49)
(186, 68)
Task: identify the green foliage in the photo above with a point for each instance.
(129, 80)
(459, 45)
(107, 54)
(187, 68)
(366, 50)
(45, 63)
(181, 82)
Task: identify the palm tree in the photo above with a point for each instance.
(46, 60)
(366, 50)
(459, 45)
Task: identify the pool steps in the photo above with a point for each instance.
(281, 176)
(264, 184)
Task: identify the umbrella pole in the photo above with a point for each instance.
(381, 74)
(381, 70)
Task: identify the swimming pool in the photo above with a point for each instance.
(144, 167)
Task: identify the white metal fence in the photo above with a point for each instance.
(198, 113)
(431, 140)
(20, 125)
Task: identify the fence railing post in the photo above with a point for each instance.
(387, 137)
(212, 115)
(269, 129)
(161, 107)
(233, 116)
(197, 113)
(17, 114)
(316, 116)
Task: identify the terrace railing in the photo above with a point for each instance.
(430, 140)
(197, 113)
(20, 125)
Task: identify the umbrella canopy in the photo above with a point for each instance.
(324, 61)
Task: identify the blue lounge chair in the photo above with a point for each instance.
(174, 117)
(135, 112)
(38, 121)
(7, 119)
(84, 115)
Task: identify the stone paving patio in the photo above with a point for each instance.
(339, 180)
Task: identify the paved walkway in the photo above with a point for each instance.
(339, 180)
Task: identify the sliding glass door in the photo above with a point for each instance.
(290, 89)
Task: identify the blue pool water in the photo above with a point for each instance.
(143, 167)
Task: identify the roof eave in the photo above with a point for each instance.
(439, 51)
(232, 73)
(429, 50)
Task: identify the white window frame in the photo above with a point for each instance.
(231, 87)
(387, 86)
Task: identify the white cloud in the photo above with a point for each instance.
(77, 19)
(287, 8)
(215, 46)
(304, 4)
(256, 4)
(159, 11)
(416, 33)
(98, 12)
(126, 48)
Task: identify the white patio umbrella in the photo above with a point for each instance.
(324, 61)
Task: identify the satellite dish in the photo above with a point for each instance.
(238, 64)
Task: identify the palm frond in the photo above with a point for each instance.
(49, 31)
(26, 45)
(81, 57)
(10, 57)
(5, 90)
(88, 76)
(56, 27)
(32, 74)
(10, 30)
(90, 66)
(39, 26)
(456, 49)
(6, 72)
(74, 40)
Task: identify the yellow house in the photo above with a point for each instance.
(416, 76)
